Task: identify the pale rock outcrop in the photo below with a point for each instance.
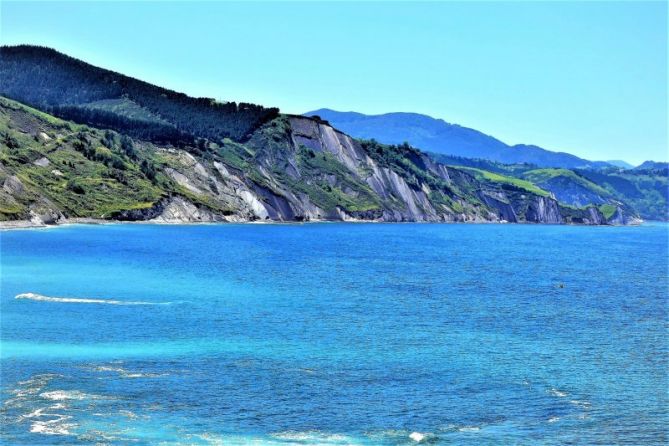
(42, 162)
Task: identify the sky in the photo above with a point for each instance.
(589, 78)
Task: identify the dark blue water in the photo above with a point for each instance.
(335, 334)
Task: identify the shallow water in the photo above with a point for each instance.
(334, 334)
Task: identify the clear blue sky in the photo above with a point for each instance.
(588, 78)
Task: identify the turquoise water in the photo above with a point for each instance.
(334, 334)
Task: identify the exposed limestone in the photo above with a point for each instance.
(13, 185)
(42, 162)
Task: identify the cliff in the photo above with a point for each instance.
(290, 169)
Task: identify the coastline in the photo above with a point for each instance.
(28, 224)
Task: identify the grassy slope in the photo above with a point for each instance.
(645, 192)
(127, 108)
(503, 179)
(83, 177)
(89, 174)
(538, 176)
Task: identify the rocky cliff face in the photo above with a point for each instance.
(291, 169)
(569, 192)
(349, 184)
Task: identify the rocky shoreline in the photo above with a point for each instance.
(29, 224)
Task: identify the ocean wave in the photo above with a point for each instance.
(401, 436)
(143, 375)
(417, 436)
(557, 392)
(28, 388)
(74, 300)
(286, 438)
(63, 395)
(56, 426)
(312, 437)
(123, 373)
(581, 403)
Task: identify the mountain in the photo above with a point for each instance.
(128, 150)
(653, 165)
(620, 163)
(439, 136)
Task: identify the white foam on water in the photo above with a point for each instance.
(469, 429)
(106, 368)
(142, 375)
(27, 389)
(125, 373)
(64, 395)
(580, 403)
(417, 436)
(34, 414)
(287, 438)
(553, 419)
(128, 414)
(38, 413)
(313, 438)
(557, 392)
(57, 426)
(76, 300)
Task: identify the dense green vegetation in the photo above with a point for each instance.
(408, 162)
(327, 182)
(87, 172)
(541, 176)
(644, 189)
(647, 191)
(607, 210)
(73, 89)
(506, 180)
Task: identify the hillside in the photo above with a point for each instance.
(72, 89)
(439, 136)
(646, 191)
(290, 169)
(653, 166)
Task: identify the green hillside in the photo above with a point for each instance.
(73, 89)
(506, 180)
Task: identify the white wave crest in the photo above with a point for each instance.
(73, 300)
(580, 403)
(313, 438)
(557, 392)
(57, 426)
(61, 395)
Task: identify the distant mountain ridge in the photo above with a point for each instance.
(438, 136)
(620, 163)
(652, 165)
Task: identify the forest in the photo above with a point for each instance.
(65, 86)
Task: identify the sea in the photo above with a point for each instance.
(334, 334)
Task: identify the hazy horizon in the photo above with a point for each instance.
(583, 78)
